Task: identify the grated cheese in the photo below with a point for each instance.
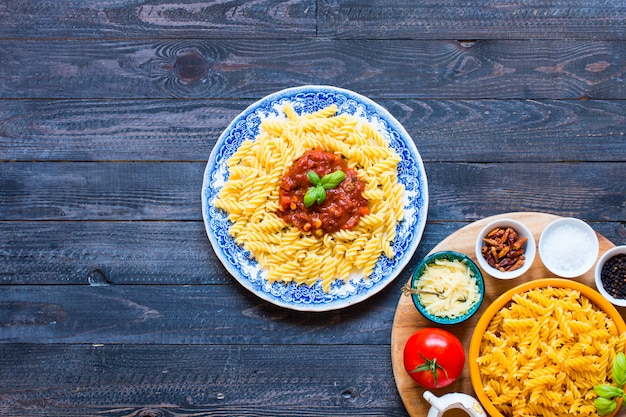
(455, 288)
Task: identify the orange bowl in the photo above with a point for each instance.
(502, 301)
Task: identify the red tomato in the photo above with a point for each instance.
(433, 357)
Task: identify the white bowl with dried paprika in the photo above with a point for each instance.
(505, 249)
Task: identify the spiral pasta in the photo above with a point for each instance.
(543, 354)
(251, 193)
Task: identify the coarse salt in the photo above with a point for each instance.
(567, 248)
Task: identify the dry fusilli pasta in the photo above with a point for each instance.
(543, 354)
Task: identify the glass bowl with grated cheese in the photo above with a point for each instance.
(447, 287)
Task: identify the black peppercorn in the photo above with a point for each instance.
(613, 276)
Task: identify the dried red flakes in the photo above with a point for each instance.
(504, 249)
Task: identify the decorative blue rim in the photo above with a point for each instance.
(411, 174)
(450, 256)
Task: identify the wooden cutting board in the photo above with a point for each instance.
(407, 319)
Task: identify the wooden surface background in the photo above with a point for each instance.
(112, 302)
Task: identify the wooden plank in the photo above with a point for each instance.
(272, 19)
(438, 69)
(92, 191)
(113, 130)
(139, 380)
(161, 252)
(182, 314)
(382, 19)
(171, 191)
(177, 253)
(186, 130)
(479, 19)
(102, 253)
(144, 313)
(514, 130)
(595, 191)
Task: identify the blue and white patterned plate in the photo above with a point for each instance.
(238, 262)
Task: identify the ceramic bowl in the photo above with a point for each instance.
(503, 301)
(617, 250)
(450, 256)
(568, 247)
(246, 270)
(529, 248)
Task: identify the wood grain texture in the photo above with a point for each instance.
(149, 253)
(408, 320)
(177, 253)
(112, 301)
(171, 191)
(176, 380)
(325, 18)
(131, 191)
(488, 19)
(187, 130)
(490, 189)
(549, 69)
(181, 315)
(126, 306)
(242, 19)
(106, 253)
(113, 130)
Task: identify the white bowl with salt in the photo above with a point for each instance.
(568, 247)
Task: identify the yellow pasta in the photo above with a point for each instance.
(250, 196)
(549, 348)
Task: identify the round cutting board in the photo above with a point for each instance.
(407, 319)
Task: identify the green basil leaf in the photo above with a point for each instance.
(313, 177)
(310, 197)
(330, 181)
(619, 369)
(604, 406)
(321, 194)
(608, 391)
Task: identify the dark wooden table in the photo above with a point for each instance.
(112, 301)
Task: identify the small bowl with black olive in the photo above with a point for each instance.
(447, 287)
(610, 275)
(505, 248)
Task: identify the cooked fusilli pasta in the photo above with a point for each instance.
(250, 196)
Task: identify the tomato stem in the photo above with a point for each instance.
(430, 365)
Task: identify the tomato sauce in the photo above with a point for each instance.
(343, 207)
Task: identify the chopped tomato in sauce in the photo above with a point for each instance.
(343, 207)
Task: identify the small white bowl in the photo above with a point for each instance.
(529, 247)
(617, 250)
(568, 247)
